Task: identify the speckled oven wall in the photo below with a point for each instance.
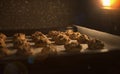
(35, 14)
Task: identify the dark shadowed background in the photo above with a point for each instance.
(36, 14)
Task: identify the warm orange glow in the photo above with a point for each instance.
(106, 2)
(110, 4)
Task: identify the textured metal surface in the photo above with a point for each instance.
(34, 14)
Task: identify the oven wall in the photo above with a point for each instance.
(36, 14)
(90, 14)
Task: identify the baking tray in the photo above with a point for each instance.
(111, 42)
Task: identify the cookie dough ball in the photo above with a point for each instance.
(61, 39)
(3, 36)
(73, 47)
(49, 49)
(69, 32)
(75, 36)
(83, 39)
(40, 39)
(2, 43)
(3, 48)
(19, 44)
(19, 36)
(42, 42)
(95, 44)
(53, 34)
(36, 34)
(46, 52)
(23, 47)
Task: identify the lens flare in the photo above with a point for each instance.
(110, 4)
(107, 3)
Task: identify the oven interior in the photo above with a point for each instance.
(88, 17)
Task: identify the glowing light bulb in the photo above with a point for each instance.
(106, 3)
(110, 4)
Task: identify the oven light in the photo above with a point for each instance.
(109, 4)
(106, 3)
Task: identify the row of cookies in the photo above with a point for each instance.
(64, 38)
(23, 46)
